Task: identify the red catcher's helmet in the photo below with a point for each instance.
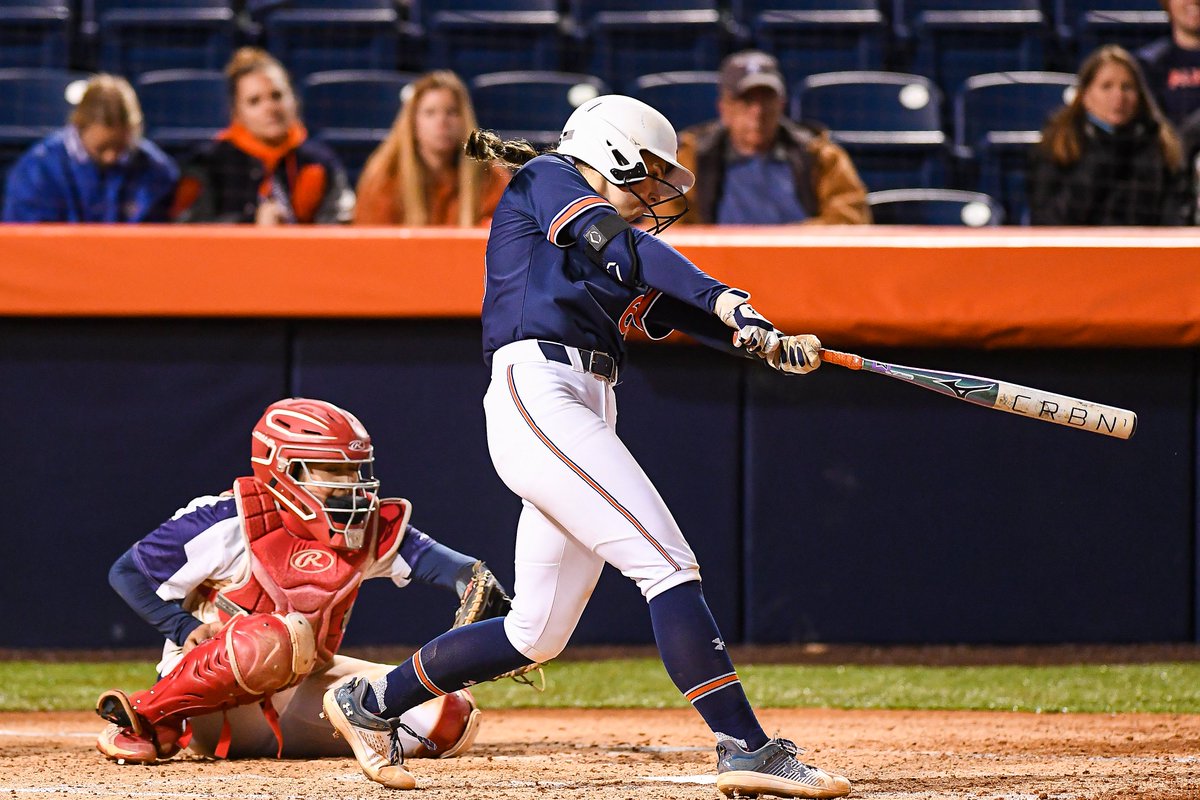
(298, 434)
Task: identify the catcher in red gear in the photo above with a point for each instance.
(253, 588)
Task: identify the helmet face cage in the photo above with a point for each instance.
(660, 222)
(297, 437)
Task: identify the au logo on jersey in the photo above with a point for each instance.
(636, 310)
(312, 560)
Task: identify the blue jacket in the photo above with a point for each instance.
(56, 181)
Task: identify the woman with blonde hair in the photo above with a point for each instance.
(97, 168)
(419, 175)
(1109, 157)
(263, 169)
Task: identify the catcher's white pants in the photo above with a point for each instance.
(551, 432)
(305, 734)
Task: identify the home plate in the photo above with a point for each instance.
(703, 779)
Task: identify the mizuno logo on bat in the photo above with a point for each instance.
(960, 389)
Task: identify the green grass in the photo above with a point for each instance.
(642, 683)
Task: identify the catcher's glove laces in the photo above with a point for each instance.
(484, 598)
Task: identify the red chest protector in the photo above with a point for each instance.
(288, 573)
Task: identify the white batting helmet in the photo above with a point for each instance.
(609, 133)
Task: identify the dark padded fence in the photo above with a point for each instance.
(840, 507)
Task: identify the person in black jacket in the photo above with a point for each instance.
(1109, 157)
(263, 169)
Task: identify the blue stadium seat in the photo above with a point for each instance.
(531, 104)
(184, 108)
(811, 36)
(315, 35)
(137, 36)
(889, 122)
(997, 117)
(353, 110)
(34, 34)
(35, 103)
(954, 40)
(686, 98)
(476, 36)
(627, 40)
(934, 207)
(1084, 25)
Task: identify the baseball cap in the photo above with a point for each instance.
(748, 69)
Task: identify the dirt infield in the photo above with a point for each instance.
(656, 755)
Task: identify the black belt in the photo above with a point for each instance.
(600, 364)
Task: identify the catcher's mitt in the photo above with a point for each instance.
(482, 597)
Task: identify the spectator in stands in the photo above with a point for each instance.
(1109, 157)
(419, 174)
(754, 166)
(263, 168)
(1172, 63)
(96, 169)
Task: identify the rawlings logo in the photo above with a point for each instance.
(312, 561)
(358, 444)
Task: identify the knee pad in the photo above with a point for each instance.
(269, 652)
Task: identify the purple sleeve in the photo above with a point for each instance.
(163, 552)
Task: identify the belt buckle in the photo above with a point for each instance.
(603, 365)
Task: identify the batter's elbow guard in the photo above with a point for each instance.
(609, 244)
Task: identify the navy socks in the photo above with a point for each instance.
(458, 658)
(695, 657)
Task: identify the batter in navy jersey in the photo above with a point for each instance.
(252, 589)
(572, 265)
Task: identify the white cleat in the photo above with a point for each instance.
(773, 769)
(372, 738)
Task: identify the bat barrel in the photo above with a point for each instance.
(1064, 410)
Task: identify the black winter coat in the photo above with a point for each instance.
(1121, 178)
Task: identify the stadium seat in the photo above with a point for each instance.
(811, 36)
(997, 117)
(353, 110)
(626, 40)
(953, 40)
(34, 34)
(686, 98)
(184, 108)
(890, 122)
(315, 35)
(1084, 25)
(531, 104)
(35, 103)
(476, 36)
(934, 207)
(137, 36)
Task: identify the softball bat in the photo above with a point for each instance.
(991, 393)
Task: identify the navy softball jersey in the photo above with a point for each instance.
(542, 284)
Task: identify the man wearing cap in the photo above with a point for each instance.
(754, 166)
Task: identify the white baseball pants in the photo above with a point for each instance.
(551, 432)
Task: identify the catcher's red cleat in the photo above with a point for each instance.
(129, 738)
(120, 745)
